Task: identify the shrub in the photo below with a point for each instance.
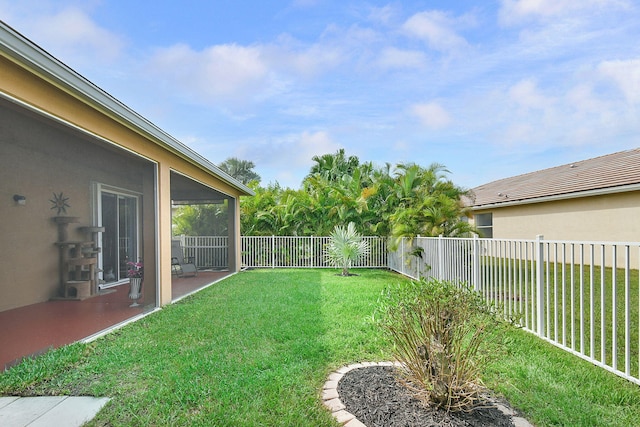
(345, 247)
(438, 330)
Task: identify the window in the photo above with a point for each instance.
(118, 213)
(484, 224)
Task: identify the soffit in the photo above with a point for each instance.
(187, 191)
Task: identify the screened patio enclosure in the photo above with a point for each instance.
(99, 186)
(186, 192)
(88, 210)
(86, 188)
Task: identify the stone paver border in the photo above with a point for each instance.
(331, 398)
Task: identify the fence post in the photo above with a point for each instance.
(313, 251)
(540, 292)
(183, 246)
(402, 255)
(417, 240)
(440, 257)
(273, 251)
(475, 264)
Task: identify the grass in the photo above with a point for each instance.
(255, 349)
(569, 292)
(555, 388)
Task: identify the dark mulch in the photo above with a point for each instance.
(377, 399)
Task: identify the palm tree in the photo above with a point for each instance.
(242, 170)
(429, 204)
(334, 166)
(201, 220)
(345, 247)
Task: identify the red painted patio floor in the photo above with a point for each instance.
(34, 329)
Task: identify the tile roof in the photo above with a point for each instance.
(610, 171)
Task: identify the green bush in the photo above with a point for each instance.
(439, 331)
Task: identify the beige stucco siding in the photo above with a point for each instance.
(613, 217)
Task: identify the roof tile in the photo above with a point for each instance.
(608, 171)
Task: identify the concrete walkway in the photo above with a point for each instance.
(46, 411)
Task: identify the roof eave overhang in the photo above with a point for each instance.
(559, 197)
(20, 50)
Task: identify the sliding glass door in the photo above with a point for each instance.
(119, 215)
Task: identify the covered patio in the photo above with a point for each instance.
(32, 330)
(88, 187)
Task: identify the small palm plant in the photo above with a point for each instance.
(345, 247)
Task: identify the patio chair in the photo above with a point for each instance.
(181, 266)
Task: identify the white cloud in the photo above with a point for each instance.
(517, 11)
(289, 151)
(583, 101)
(575, 116)
(238, 75)
(70, 34)
(436, 28)
(516, 134)
(392, 57)
(312, 144)
(287, 157)
(626, 76)
(431, 115)
(308, 61)
(384, 15)
(218, 73)
(526, 94)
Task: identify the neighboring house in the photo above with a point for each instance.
(64, 140)
(596, 200)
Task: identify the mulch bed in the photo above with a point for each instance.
(377, 399)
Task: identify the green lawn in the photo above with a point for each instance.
(567, 322)
(255, 349)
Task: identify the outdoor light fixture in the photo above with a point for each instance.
(21, 200)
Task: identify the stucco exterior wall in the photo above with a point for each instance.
(610, 217)
(603, 218)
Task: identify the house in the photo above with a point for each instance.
(596, 199)
(87, 185)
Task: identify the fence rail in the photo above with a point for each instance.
(207, 251)
(275, 251)
(580, 296)
(303, 252)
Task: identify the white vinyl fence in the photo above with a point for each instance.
(275, 252)
(209, 252)
(303, 252)
(580, 296)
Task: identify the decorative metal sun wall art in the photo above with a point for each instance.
(60, 203)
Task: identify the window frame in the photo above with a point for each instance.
(98, 189)
(484, 226)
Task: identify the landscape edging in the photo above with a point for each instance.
(331, 397)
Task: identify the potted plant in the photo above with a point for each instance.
(135, 273)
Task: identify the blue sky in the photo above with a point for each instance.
(489, 89)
